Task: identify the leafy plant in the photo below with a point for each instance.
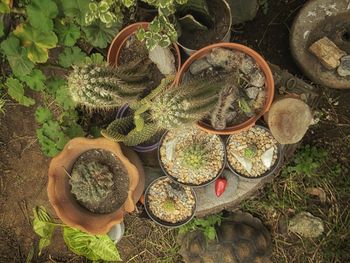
(165, 7)
(93, 247)
(161, 32)
(70, 56)
(15, 90)
(206, 225)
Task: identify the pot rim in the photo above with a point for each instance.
(259, 60)
(120, 39)
(137, 148)
(269, 172)
(190, 184)
(160, 221)
(226, 37)
(64, 203)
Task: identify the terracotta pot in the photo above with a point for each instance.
(66, 206)
(269, 84)
(119, 41)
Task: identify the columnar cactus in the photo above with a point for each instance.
(103, 87)
(185, 104)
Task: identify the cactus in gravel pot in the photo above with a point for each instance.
(102, 86)
(185, 104)
(194, 156)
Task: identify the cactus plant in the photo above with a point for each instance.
(102, 86)
(195, 156)
(221, 114)
(185, 104)
(93, 181)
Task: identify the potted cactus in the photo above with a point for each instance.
(168, 203)
(192, 157)
(254, 153)
(93, 183)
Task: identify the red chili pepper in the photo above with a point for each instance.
(220, 186)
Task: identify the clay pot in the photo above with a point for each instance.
(119, 41)
(66, 206)
(269, 84)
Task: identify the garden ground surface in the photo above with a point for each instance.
(23, 178)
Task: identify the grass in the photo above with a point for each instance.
(312, 182)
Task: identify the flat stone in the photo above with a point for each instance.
(257, 79)
(199, 66)
(252, 92)
(224, 58)
(306, 225)
(344, 68)
(164, 59)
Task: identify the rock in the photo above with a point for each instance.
(246, 163)
(243, 11)
(327, 52)
(257, 79)
(199, 66)
(344, 68)
(224, 58)
(306, 225)
(252, 92)
(247, 65)
(164, 60)
(267, 157)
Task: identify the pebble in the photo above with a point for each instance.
(257, 79)
(344, 68)
(225, 58)
(252, 92)
(199, 66)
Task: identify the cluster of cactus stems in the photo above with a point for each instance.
(99, 87)
(195, 156)
(91, 183)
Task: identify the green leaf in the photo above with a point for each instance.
(16, 91)
(75, 130)
(37, 43)
(51, 138)
(68, 34)
(76, 9)
(5, 6)
(43, 115)
(63, 98)
(42, 226)
(90, 246)
(40, 14)
(16, 56)
(35, 80)
(210, 233)
(70, 56)
(95, 58)
(1, 26)
(54, 84)
(98, 35)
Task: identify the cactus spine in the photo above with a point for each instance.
(103, 87)
(185, 104)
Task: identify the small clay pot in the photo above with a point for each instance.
(269, 172)
(119, 41)
(160, 221)
(64, 203)
(269, 84)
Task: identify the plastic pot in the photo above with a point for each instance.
(139, 148)
(269, 84)
(160, 221)
(64, 203)
(119, 41)
(268, 173)
(226, 38)
(189, 184)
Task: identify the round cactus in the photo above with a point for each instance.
(194, 156)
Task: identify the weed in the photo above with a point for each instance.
(264, 4)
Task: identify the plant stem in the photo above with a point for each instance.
(17, 10)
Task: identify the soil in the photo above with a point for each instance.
(118, 193)
(197, 39)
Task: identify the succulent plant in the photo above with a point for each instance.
(221, 114)
(195, 156)
(250, 151)
(169, 204)
(91, 182)
(103, 87)
(185, 104)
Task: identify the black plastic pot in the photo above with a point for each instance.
(188, 184)
(160, 221)
(268, 173)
